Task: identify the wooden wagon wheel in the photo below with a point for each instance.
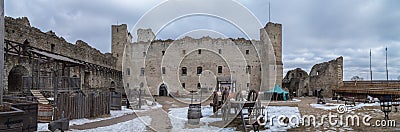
(252, 96)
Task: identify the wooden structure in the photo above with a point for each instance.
(80, 105)
(11, 121)
(47, 68)
(360, 89)
(249, 112)
(30, 112)
(51, 83)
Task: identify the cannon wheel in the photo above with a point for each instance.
(252, 96)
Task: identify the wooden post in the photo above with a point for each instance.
(1, 50)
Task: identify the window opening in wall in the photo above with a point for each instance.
(184, 71)
(199, 70)
(199, 51)
(248, 69)
(219, 69)
(141, 71)
(52, 46)
(247, 52)
(163, 70)
(183, 85)
(220, 51)
(128, 71)
(163, 52)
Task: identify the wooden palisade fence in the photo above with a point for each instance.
(79, 105)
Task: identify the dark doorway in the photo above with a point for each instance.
(86, 79)
(15, 78)
(112, 84)
(163, 90)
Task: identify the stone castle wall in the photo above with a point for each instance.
(19, 30)
(236, 56)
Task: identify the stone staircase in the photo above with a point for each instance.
(41, 99)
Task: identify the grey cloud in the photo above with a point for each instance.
(313, 31)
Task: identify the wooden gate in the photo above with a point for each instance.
(115, 102)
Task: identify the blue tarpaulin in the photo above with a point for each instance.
(277, 89)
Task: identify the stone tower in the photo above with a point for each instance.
(274, 31)
(145, 35)
(119, 38)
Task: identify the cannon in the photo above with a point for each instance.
(350, 101)
(60, 124)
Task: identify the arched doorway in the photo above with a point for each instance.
(112, 84)
(15, 78)
(163, 90)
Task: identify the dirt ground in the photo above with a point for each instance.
(161, 121)
(373, 111)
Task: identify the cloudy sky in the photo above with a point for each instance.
(314, 31)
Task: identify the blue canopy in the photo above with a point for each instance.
(277, 89)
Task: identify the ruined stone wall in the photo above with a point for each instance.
(296, 81)
(20, 30)
(326, 76)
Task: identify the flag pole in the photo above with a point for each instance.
(269, 11)
(387, 71)
(370, 64)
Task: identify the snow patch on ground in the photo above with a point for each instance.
(332, 106)
(137, 125)
(113, 114)
(42, 127)
(327, 106)
(178, 117)
(277, 111)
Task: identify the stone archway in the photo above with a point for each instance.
(163, 90)
(15, 78)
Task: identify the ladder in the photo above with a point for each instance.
(39, 96)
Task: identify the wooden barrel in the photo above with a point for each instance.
(45, 113)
